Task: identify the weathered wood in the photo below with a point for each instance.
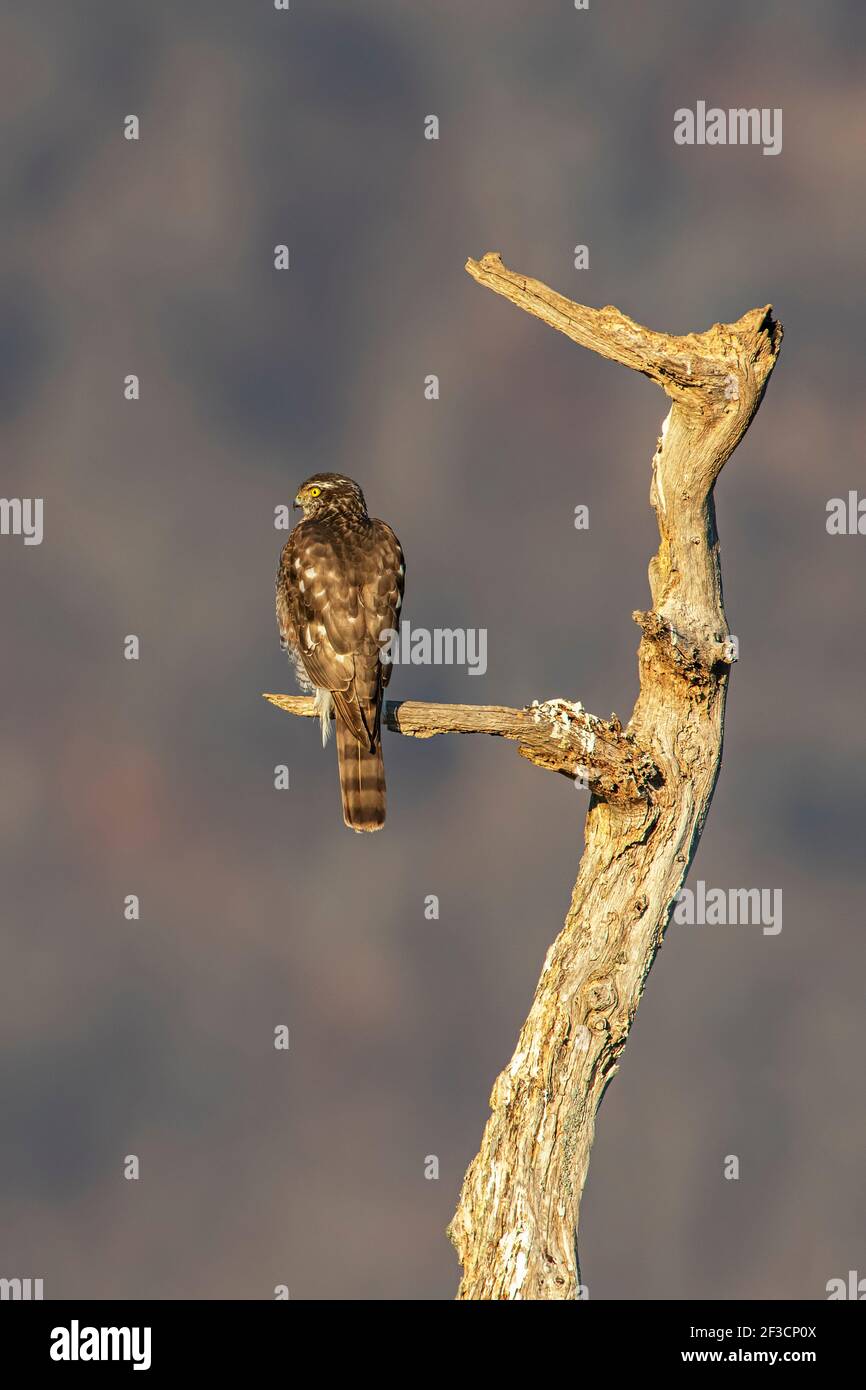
(516, 1222)
(556, 735)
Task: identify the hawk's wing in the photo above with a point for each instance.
(337, 591)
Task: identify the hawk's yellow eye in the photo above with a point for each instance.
(314, 491)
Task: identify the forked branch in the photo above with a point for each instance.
(516, 1222)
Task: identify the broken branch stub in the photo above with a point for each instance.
(556, 734)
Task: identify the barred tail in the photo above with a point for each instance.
(362, 780)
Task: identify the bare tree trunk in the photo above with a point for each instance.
(516, 1222)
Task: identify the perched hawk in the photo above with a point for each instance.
(339, 586)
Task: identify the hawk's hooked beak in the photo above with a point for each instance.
(297, 501)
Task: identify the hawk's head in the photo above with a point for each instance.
(330, 492)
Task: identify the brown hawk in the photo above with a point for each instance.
(339, 588)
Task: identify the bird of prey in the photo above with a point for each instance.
(339, 588)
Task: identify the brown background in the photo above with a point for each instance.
(156, 777)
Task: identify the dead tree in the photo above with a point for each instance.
(651, 783)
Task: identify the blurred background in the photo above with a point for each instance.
(156, 777)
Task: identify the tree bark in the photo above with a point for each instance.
(651, 784)
(516, 1222)
(556, 735)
